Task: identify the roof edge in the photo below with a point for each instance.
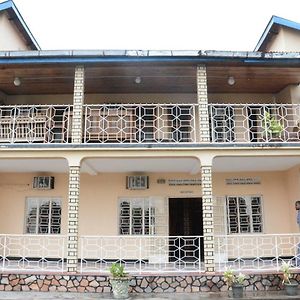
(11, 7)
(278, 21)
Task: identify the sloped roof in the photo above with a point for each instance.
(18, 20)
(272, 29)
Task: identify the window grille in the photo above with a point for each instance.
(143, 216)
(244, 214)
(43, 216)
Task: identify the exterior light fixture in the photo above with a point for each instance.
(17, 81)
(231, 80)
(138, 80)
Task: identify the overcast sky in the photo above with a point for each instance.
(152, 24)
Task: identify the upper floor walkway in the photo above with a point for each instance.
(151, 124)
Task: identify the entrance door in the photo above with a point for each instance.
(185, 219)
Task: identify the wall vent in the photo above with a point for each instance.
(137, 182)
(43, 182)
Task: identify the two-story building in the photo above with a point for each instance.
(177, 164)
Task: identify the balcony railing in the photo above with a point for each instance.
(151, 123)
(257, 252)
(35, 124)
(149, 254)
(142, 254)
(32, 252)
(254, 123)
(140, 123)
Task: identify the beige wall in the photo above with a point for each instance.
(283, 97)
(15, 187)
(287, 39)
(11, 39)
(98, 214)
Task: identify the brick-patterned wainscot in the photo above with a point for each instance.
(139, 284)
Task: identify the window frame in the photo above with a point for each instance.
(40, 201)
(151, 218)
(249, 208)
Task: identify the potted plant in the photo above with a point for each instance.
(119, 281)
(272, 127)
(291, 288)
(235, 281)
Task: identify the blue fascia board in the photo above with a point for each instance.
(278, 21)
(170, 59)
(7, 5)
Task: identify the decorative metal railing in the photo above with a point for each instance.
(151, 123)
(260, 123)
(140, 123)
(257, 251)
(35, 124)
(142, 254)
(32, 252)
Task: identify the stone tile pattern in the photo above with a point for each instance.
(208, 227)
(72, 246)
(78, 101)
(139, 284)
(203, 103)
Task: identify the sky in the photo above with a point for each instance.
(152, 24)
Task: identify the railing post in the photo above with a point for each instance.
(4, 251)
(203, 104)
(208, 227)
(276, 253)
(78, 100)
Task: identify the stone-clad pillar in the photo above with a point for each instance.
(203, 104)
(208, 227)
(78, 101)
(72, 243)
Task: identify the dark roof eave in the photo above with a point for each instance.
(93, 57)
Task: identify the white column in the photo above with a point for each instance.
(203, 104)
(208, 225)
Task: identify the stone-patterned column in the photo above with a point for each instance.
(78, 101)
(72, 243)
(203, 104)
(208, 227)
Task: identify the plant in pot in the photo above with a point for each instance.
(272, 127)
(235, 281)
(291, 287)
(119, 281)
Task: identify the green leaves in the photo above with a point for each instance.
(117, 270)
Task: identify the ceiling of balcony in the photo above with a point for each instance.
(59, 79)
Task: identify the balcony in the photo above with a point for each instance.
(151, 123)
(35, 124)
(254, 123)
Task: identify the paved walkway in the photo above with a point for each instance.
(178, 296)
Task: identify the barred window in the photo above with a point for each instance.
(43, 216)
(244, 214)
(137, 217)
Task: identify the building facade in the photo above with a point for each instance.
(174, 163)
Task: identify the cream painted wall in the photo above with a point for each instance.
(287, 40)
(11, 39)
(98, 212)
(103, 98)
(15, 187)
(292, 181)
(144, 98)
(274, 190)
(241, 98)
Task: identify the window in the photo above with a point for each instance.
(43, 215)
(244, 214)
(137, 216)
